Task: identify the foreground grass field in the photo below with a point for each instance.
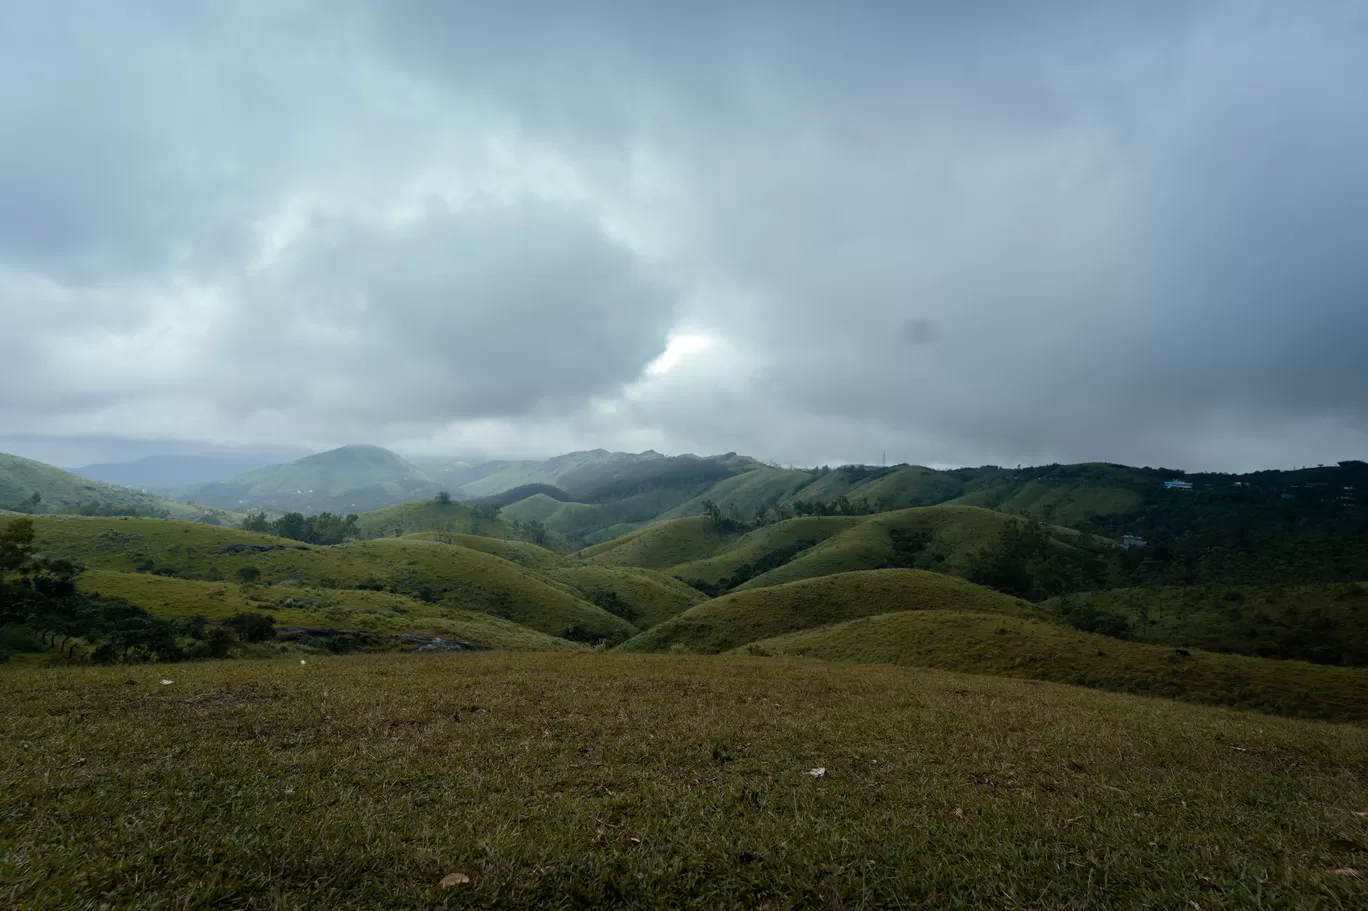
(603, 780)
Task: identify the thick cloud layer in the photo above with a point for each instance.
(959, 233)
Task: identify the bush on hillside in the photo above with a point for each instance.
(251, 626)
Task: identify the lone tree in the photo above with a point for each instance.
(443, 498)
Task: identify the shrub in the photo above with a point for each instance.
(251, 626)
(247, 575)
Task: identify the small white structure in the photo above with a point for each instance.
(1178, 485)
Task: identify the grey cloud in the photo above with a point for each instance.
(1130, 233)
(454, 315)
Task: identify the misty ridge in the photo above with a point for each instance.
(740, 455)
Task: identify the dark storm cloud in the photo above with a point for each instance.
(962, 232)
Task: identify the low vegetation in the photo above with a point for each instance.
(619, 781)
(748, 616)
(1023, 647)
(1327, 624)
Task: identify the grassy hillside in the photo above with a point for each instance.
(744, 617)
(63, 492)
(745, 492)
(553, 781)
(352, 479)
(1022, 647)
(945, 539)
(431, 516)
(643, 597)
(661, 546)
(350, 610)
(1322, 623)
(520, 552)
(447, 574)
(749, 552)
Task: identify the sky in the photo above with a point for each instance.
(941, 233)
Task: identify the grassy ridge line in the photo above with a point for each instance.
(376, 612)
(648, 781)
(956, 535)
(522, 553)
(1019, 647)
(743, 617)
(647, 597)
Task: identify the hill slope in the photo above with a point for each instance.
(63, 492)
(1021, 647)
(445, 574)
(350, 479)
(380, 613)
(737, 619)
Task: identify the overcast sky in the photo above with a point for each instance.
(959, 233)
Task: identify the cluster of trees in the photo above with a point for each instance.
(33, 504)
(41, 609)
(1027, 563)
(731, 519)
(324, 528)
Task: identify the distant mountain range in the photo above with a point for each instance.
(168, 472)
(587, 497)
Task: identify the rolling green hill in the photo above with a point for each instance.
(343, 609)
(514, 580)
(744, 617)
(643, 597)
(520, 552)
(352, 479)
(63, 492)
(449, 518)
(945, 539)
(1022, 647)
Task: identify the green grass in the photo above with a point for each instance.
(742, 617)
(430, 516)
(691, 549)
(376, 612)
(661, 546)
(1065, 501)
(1020, 647)
(1322, 622)
(521, 552)
(479, 581)
(647, 598)
(755, 545)
(956, 536)
(604, 780)
(453, 575)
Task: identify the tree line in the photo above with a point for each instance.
(324, 528)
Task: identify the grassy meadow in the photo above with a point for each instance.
(627, 781)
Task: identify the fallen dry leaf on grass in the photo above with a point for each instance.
(959, 813)
(817, 772)
(1346, 871)
(453, 879)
